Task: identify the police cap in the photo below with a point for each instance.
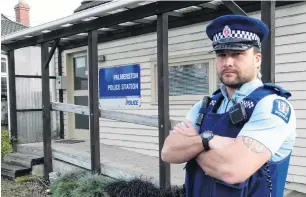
(236, 32)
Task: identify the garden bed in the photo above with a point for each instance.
(82, 183)
(28, 188)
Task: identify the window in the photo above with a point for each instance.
(3, 77)
(3, 65)
(190, 78)
(80, 73)
(81, 121)
(3, 85)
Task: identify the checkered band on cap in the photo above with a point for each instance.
(238, 34)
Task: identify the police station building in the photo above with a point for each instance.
(128, 82)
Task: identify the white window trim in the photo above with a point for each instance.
(76, 55)
(4, 74)
(194, 58)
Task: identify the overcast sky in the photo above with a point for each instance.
(41, 11)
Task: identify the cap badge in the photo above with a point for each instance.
(226, 31)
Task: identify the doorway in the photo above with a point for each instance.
(80, 95)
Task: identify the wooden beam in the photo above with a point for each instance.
(146, 120)
(176, 14)
(50, 54)
(119, 27)
(77, 109)
(46, 112)
(60, 94)
(208, 5)
(144, 21)
(12, 99)
(94, 102)
(234, 7)
(268, 46)
(163, 95)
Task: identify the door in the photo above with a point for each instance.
(80, 96)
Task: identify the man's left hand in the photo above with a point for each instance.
(185, 128)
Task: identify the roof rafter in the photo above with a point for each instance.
(106, 21)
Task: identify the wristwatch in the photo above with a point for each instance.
(206, 136)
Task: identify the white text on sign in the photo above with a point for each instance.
(125, 76)
(128, 86)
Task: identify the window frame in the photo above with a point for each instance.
(177, 60)
(74, 70)
(4, 74)
(6, 80)
(4, 59)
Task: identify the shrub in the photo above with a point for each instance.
(65, 185)
(6, 146)
(136, 187)
(173, 191)
(81, 184)
(91, 186)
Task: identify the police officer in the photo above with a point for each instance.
(238, 141)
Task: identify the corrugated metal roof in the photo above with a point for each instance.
(85, 4)
(8, 26)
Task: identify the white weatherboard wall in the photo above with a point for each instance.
(190, 44)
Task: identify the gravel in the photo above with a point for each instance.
(33, 188)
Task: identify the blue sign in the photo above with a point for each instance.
(120, 86)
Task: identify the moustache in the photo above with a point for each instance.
(228, 71)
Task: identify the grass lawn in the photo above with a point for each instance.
(29, 188)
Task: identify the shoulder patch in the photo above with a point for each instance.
(281, 109)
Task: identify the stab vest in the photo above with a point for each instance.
(268, 181)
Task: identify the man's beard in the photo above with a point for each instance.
(234, 85)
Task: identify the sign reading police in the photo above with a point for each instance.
(120, 86)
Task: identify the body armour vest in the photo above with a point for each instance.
(268, 181)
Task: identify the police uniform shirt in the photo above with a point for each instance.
(272, 122)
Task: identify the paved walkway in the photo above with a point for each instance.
(116, 162)
(295, 194)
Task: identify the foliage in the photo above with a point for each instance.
(79, 184)
(136, 187)
(6, 146)
(91, 186)
(65, 185)
(173, 191)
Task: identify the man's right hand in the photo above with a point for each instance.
(219, 142)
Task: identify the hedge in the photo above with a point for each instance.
(79, 184)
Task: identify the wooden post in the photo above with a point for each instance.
(46, 111)
(268, 46)
(61, 93)
(94, 102)
(12, 99)
(163, 94)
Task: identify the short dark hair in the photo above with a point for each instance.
(256, 50)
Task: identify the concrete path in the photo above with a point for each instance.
(294, 194)
(116, 162)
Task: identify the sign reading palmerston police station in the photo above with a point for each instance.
(120, 86)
